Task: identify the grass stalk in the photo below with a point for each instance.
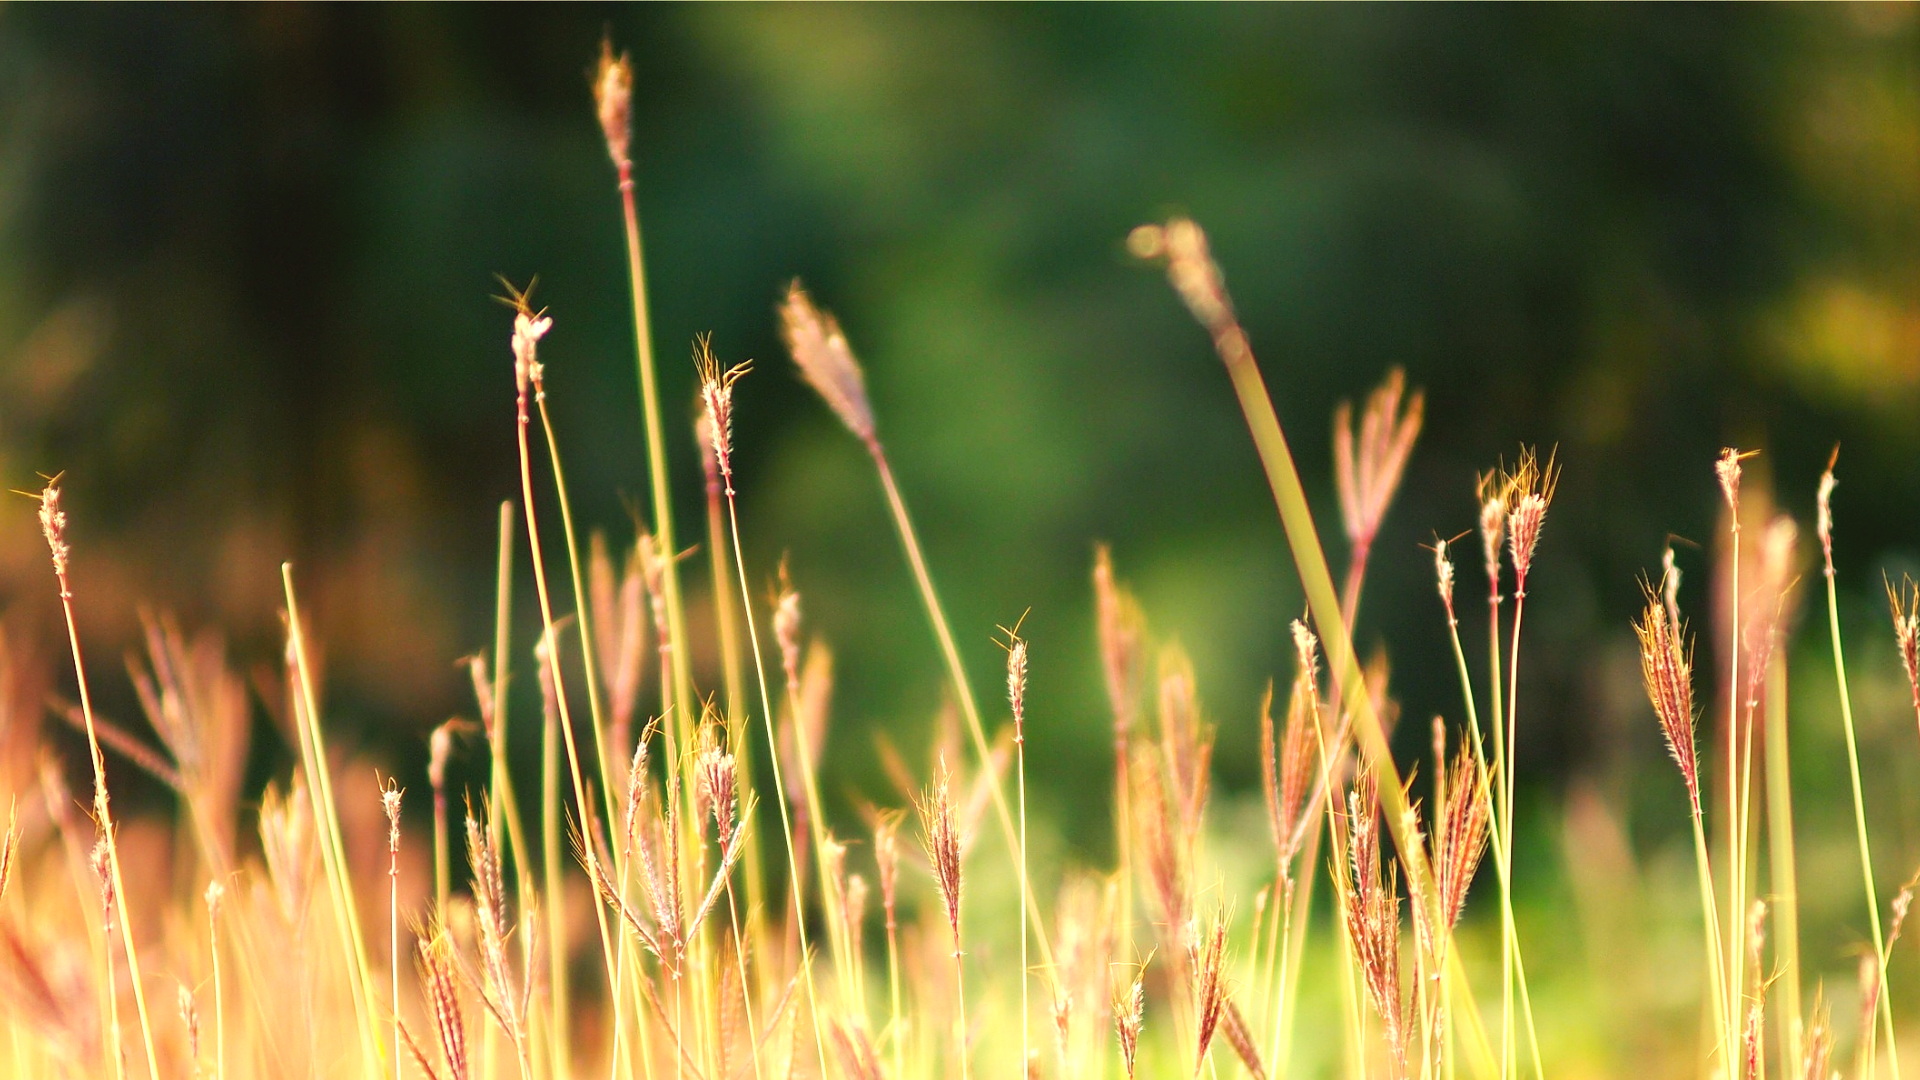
(1782, 864)
(1853, 774)
(779, 785)
(327, 821)
(909, 539)
(54, 521)
(214, 892)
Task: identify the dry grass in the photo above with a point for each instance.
(666, 936)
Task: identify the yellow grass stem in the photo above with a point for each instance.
(1860, 828)
(101, 807)
(1781, 864)
(739, 742)
(1710, 913)
(780, 800)
(562, 1051)
(903, 525)
(327, 821)
(219, 999)
(682, 679)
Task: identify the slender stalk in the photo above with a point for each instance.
(1026, 1037)
(1736, 951)
(903, 525)
(1781, 863)
(739, 744)
(53, 521)
(1710, 911)
(219, 1000)
(656, 447)
(773, 757)
(333, 857)
(1860, 823)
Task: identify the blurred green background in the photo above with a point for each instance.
(246, 255)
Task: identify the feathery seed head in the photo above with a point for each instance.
(1367, 470)
(1443, 574)
(826, 361)
(1190, 267)
(786, 628)
(189, 1019)
(717, 786)
(1530, 490)
(1666, 667)
(1727, 469)
(941, 834)
(716, 393)
(1492, 492)
(886, 855)
(1120, 629)
(1016, 647)
(1464, 835)
(1905, 604)
(390, 804)
(439, 752)
(528, 328)
(216, 895)
(1207, 961)
(1823, 504)
(1128, 1014)
(613, 100)
(53, 522)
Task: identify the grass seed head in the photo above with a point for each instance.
(1529, 492)
(1207, 961)
(53, 522)
(1492, 491)
(1904, 602)
(1121, 633)
(716, 394)
(613, 101)
(941, 834)
(1129, 1013)
(439, 753)
(1368, 468)
(1190, 268)
(1823, 510)
(826, 361)
(1666, 667)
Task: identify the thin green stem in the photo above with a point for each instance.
(931, 600)
(333, 857)
(1710, 912)
(1860, 825)
(779, 785)
(1781, 863)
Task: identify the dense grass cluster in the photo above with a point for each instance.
(675, 901)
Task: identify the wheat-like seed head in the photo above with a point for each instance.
(1129, 1011)
(1368, 469)
(941, 834)
(439, 753)
(390, 805)
(826, 361)
(1823, 510)
(53, 523)
(1121, 634)
(1492, 492)
(613, 101)
(1667, 669)
(1727, 470)
(716, 393)
(1530, 491)
(1190, 268)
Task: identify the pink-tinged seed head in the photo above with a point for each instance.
(826, 361)
(613, 101)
